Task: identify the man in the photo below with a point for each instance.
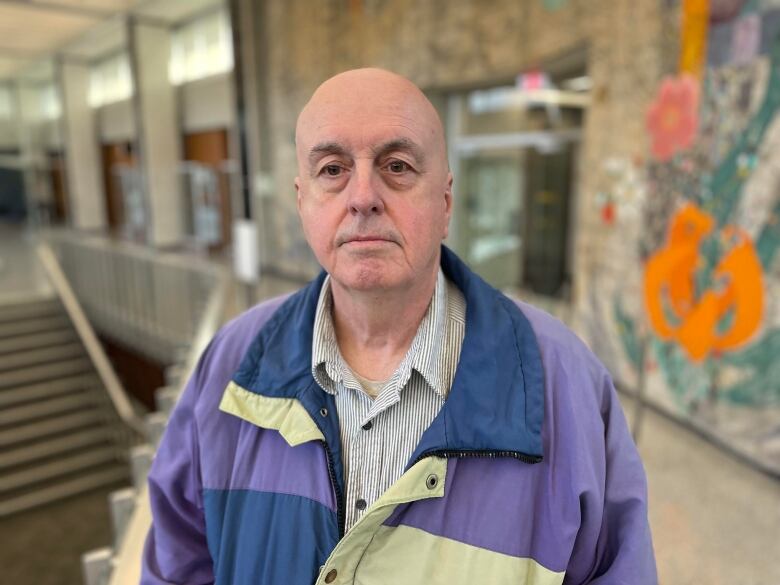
(398, 420)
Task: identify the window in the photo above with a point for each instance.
(51, 108)
(110, 81)
(513, 152)
(201, 48)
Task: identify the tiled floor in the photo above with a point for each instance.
(21, 276)
(44, 546)
(715, 520)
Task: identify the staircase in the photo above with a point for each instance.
(59, 435)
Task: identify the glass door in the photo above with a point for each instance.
(513, 153)
(491, 206)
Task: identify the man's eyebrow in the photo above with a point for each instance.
(404, 144)
(323, 148)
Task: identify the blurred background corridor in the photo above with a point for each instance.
(615, 162)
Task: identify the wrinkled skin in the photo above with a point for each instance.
(374, 189)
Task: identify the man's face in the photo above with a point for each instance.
(374, 192)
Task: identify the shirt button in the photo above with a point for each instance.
(368, 425)
(331, 576)
(361, 504)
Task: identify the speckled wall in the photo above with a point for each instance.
(627, 196)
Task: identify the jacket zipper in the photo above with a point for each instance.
(341, 512)
(448, 453)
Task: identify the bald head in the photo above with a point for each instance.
(374, 190)
(361, 97)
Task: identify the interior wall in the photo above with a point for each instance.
(117, 122)
(9, 138)
(444, 46)
(207, 104)
(139, 375)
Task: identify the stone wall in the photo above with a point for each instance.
(450, 44)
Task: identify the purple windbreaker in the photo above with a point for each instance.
(527, 475)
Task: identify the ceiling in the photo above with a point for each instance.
(31, 31)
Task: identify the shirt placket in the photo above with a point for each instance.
(359, 456)
(374, 463)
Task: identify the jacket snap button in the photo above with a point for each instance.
(323, 412)
(331, 576)
(431, 481)
(368, 425)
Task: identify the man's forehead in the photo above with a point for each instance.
(364, 109)
(354, 132)
(344, 118)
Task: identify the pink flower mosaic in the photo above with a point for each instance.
(673, 117)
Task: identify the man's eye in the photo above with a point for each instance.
(332, 170)
(398, 166)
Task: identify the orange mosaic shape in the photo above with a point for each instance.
(670, 291)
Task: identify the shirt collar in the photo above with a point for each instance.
(508, 418)
(424, 356)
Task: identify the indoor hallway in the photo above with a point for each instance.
(714, 518)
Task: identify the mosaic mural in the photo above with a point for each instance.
(703, 318)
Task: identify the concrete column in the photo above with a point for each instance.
(159, 138)
(86, 200)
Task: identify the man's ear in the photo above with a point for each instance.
(448, 205)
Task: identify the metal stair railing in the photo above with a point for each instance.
(130, 509)
(97, 355)
(147, 300)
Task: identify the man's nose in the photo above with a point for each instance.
(364, 195)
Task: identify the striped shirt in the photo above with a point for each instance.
(378, 436)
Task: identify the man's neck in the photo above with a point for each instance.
(375, 329)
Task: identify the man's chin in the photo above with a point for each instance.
(375, 278)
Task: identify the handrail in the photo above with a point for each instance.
(211, 321)
(129, 249)
(95, 350)
(149, 301)
(127, 560)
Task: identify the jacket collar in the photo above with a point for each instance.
(496, 402)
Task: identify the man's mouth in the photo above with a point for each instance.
(367, 239)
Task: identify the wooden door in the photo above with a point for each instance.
(57, 170)
(113, 154)
(210, 148)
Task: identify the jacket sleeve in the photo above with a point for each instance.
(175, 550)
(614, 539)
